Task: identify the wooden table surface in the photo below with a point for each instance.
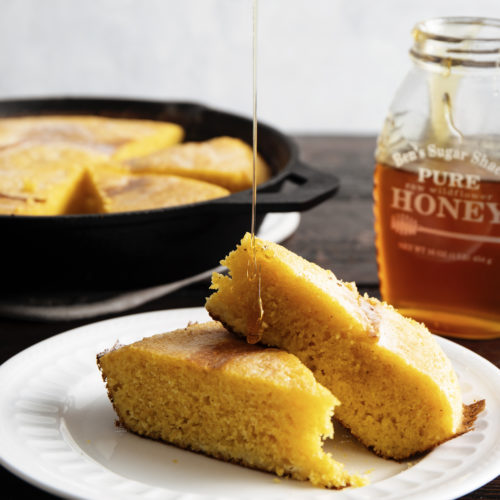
(338, 234)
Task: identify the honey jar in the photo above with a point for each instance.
(437, 181)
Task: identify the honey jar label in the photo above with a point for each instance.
(437, 221)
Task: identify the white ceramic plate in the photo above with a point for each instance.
(57, 431)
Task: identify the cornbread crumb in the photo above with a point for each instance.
(202, 389)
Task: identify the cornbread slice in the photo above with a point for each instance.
(118, 138)
(202, 389)
(399, 394)
(225, 161)
(43, 180)
(123, 192)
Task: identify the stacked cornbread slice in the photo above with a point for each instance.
(203, 389)
(208, 390)
(398, 392)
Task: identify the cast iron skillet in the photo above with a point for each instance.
(138, 249)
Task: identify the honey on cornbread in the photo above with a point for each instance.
(203, 389)
(398, 392)
(118, 138)
(225, 161)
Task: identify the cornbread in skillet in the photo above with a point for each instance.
(117, 138)
(399, 394)
(203, 389)
(81, 157)
(225, 161)
(43, 180)
(122, 192)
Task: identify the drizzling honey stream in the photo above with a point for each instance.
(253, 271)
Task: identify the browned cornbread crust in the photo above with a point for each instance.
(203, 389)
(398, 391)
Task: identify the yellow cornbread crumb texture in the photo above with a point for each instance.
(399, 394)
(202, 389)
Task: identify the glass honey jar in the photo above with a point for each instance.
(437, 181)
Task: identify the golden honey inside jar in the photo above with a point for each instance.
(437, 181)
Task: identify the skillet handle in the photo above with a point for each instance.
(309, 188)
